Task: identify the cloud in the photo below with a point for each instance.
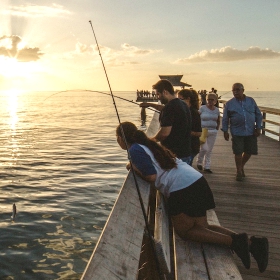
(14, 47)
(135, 51)
(54, 10)
(126, 55)
(229, 54)
(82, 48)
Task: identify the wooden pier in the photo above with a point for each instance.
(251, 206)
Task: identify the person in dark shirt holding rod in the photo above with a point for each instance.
(245, 119)
(175, 121)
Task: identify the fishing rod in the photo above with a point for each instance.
(224, 93)
(130, 161)
(102, 92)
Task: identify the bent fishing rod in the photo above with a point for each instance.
(130, 161)
(102, 92)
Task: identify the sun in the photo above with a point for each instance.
(13, 92)
(10, 67)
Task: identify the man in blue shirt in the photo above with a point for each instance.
(245, 120)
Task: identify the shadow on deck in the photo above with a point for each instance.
(251, 206)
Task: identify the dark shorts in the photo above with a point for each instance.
(244, 144)
(193, 200)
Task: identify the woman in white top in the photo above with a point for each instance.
(188, 195)
(210, 119)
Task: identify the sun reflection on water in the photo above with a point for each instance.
(12, 96)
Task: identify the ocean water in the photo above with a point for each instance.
(61, 166)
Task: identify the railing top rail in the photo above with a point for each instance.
(264, 109)
(270, 110)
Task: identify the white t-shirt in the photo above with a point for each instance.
(175, 179)
(209, 117)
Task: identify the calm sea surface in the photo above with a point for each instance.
(61, 166)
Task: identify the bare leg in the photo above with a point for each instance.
(245, 158)
(238, 163)
(196, 229)
(202, 234)
(221, 229)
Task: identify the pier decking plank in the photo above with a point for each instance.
(251, 206)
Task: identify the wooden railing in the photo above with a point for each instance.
(266, 112)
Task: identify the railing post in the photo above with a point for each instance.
(143, 116)
(263, 123)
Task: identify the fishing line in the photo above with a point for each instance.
(102, 92)
(129, 158)
(224, 93)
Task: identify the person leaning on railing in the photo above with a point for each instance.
(188, 195)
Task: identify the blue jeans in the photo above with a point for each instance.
(188, 159)
(191, 161)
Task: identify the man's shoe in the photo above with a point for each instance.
(259, 250)
(240, 246)
(208, 170)
(199, 167)
(239, 177)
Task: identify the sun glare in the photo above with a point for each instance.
(21, 45)
(10, 68)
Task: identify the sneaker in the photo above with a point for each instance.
(240, 246)
(239, 177)
(259, 250)
(199, 167)
(208, 170)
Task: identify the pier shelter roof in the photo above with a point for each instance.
(175, 80)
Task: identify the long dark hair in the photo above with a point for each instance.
(192, 94)
(164, 157)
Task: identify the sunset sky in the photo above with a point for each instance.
(49, 45)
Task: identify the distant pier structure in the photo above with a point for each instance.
(147, 96)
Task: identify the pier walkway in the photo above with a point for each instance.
(251, 206)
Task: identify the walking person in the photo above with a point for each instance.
(203, 95)
(210, 120)
(190, 97)
(188, 195)
(245, 119)
(175, 121)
